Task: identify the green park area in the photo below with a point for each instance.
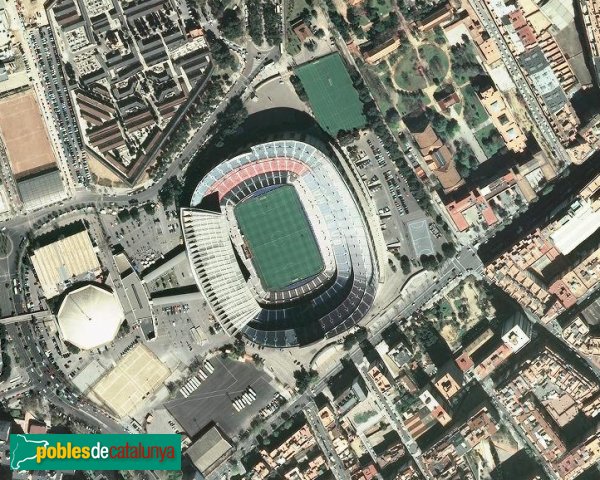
(5, 245)
(436, 62)
(415, 68)
(474, 113)
(383, 7)
(406, 72)
(331, 94)
(490, 140)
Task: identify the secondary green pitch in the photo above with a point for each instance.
(331, 94)
(278, 234)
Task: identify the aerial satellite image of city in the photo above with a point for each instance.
(299, 239)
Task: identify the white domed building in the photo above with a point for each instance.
(90, 316)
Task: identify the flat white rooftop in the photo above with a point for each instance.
(581, 226)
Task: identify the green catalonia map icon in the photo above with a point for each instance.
(23, 451)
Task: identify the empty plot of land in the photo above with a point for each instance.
(420, 238)
(331, 94)
(279, 236)
(24, 134)
(212, 400)
(137, 376)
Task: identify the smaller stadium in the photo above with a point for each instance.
(279, 247)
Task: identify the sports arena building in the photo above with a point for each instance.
(279, 246)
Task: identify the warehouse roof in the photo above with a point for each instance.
(206, 452)
(58, 263)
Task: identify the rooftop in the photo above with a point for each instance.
(206, 452)
(90, 316)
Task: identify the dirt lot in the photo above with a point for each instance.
(459, 311)
(24, 134)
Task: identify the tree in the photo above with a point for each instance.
(349, 341)
(170, 192)
(149, 208)
(310, 45)
(428, 262)
(272, 23)
(255, 21)
(392, 116)
(299, 88)
(338, 21)
(448, 249)
(220, 51)
(304, 378)
(72, 348)
(124, 329)
(439, 38)
(123, 215)
(230, 24)
(135, 213)
(229, 121)
(405, 264)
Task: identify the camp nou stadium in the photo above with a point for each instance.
(279, 246)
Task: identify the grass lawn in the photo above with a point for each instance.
(407, 103)
(489, 139)
(294, 8)
(445, 308)
(440, 311)
(331, 95)
(406, 75)
(383, 7)
(279, 237)
(293, 46)
(381, 85)
(437, 61)
(473, 112)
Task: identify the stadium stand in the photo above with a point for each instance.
(308, 309)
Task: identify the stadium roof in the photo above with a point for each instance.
(206, 452)
(223, 256)
(89, 317)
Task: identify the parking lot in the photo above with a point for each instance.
(212, 400)
(398, 211)
(146, 237)
(43, 46)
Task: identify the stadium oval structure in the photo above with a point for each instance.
(279, 247)
(90, 316)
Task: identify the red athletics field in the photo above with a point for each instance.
(24, 134)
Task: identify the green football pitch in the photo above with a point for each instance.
(281, 242)
(331, 94)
